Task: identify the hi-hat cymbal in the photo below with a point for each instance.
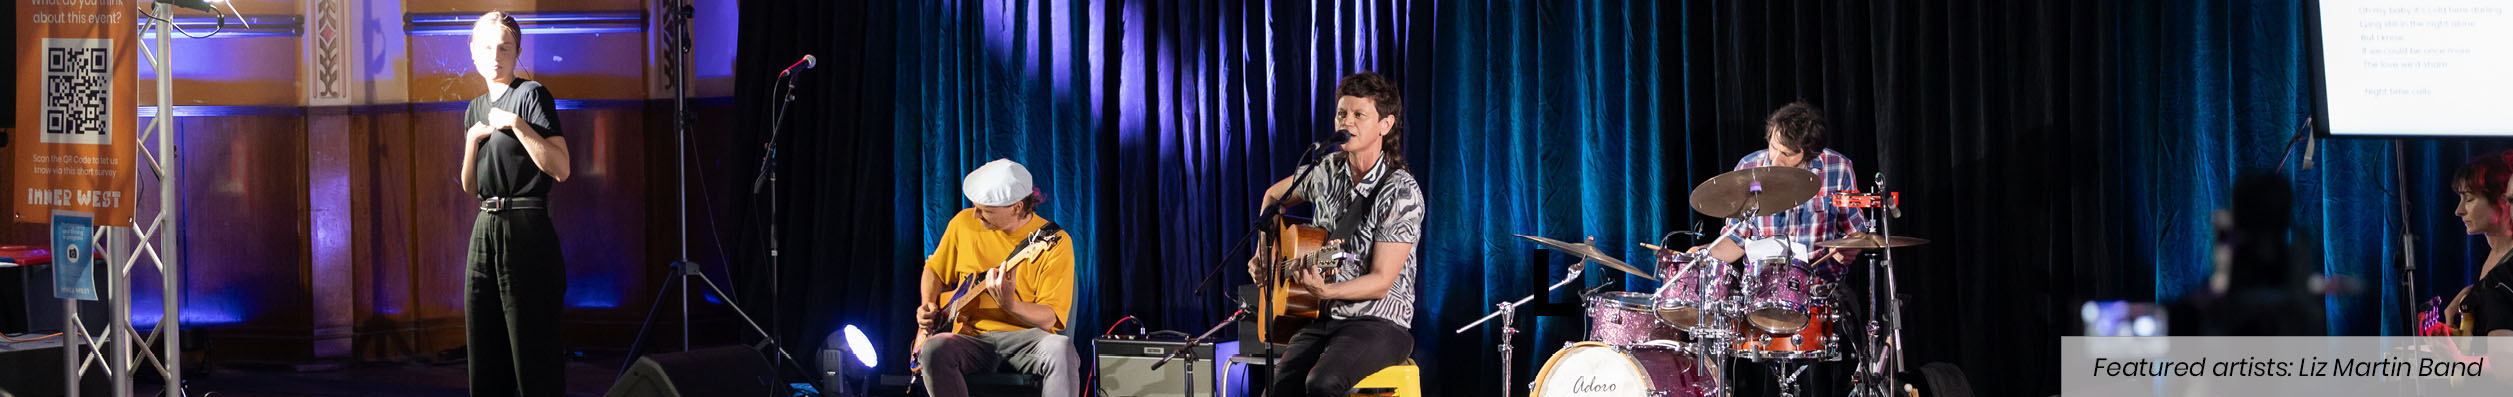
(1767, 190)
(1870, 241)
(1589, 252)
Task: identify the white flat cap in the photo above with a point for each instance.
(999, 183)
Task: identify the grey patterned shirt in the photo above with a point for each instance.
(1397, 218)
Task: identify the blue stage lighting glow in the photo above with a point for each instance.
(861, 346)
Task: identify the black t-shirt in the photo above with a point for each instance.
(504, 169)
(2491, 299)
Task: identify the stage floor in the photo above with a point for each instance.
(585, 377)
(589, 375)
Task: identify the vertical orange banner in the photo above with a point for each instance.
(77, 122)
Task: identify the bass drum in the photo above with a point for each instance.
(1654, 369)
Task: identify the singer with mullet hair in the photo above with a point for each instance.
(1369, 303)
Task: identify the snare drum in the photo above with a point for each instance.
(1694, 284)
(1624, 319)
(1596, 369)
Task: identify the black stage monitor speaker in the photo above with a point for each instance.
(713, 371)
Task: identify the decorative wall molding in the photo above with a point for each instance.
(329, 71)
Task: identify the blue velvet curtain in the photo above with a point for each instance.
(990, 80)
(1548, 120)
(2215, 89)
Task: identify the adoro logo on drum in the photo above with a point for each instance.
(1589, 384)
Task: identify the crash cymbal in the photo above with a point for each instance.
(1589, 252)
(1768, 190)
(1870, 241)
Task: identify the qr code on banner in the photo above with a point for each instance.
(78, 91)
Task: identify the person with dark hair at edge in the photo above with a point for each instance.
(2485, 307)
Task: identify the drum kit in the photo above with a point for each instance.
(1769, 307)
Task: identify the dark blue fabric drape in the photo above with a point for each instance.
(1547, 120)
(2215, 89)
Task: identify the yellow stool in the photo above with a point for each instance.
(1401, 380)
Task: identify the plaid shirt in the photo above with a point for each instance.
(1818, 219)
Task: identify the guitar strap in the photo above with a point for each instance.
(1355, 213)
(1038, 236)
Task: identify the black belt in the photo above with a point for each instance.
(495, 204)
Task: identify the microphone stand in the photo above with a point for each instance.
(1308, 162)
(687, 270)
(1185, 349)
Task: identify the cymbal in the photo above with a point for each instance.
(1780, 189)
(1589, 252)
(1871, 241)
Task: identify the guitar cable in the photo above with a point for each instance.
(1112, 331)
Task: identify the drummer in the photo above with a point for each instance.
(1794, 136)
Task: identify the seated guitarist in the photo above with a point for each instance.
(1369, 305)
(1015, 321)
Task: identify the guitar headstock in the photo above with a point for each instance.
(1037, 245)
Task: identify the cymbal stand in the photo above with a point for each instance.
(1882, 357)
(1508, 313)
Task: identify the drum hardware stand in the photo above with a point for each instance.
(1717, 344)
(1788, 377)
(1508, 313)
(1884, 355)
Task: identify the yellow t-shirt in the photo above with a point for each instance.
(967, 247)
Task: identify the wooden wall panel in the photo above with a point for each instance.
(245, 234)
(237, 71)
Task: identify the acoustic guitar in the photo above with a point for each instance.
(1292, 248)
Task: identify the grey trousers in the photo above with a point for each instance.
(946, 358)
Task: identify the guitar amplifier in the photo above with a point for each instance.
(1125, 367)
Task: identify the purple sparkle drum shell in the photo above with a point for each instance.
(1625, 318)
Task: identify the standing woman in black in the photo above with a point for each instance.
(514, 282)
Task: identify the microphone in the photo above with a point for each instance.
(1336, 138)
(807, 62)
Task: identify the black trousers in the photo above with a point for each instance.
(1328, 357)
(513, 289)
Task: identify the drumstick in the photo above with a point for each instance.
(1652, 247)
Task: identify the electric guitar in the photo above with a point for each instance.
(947, 316)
